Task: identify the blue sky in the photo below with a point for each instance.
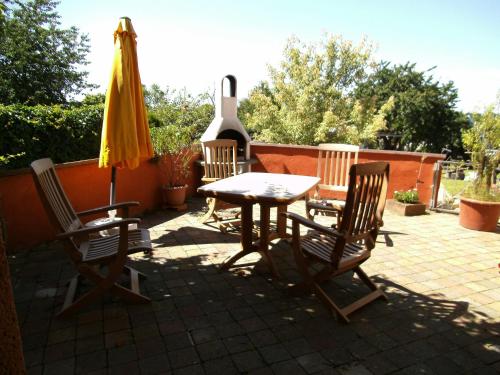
(194, 43)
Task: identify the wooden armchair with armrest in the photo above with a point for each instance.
(336, 251)
(100, 260)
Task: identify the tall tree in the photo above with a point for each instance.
(309, 97)
(178, 107)
(424, 117)
(40, 63)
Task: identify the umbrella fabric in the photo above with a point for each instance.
(125, 138)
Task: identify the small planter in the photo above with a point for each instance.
(174, 197)
(479, 215)
(405, 209)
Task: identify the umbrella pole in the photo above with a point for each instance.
(112, 190)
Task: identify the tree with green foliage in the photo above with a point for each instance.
(482, 140)
(423, 117)
(309, 97)
(40, 63)
(172, 107)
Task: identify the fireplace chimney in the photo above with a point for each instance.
(226, 124)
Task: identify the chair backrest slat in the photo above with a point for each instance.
(219, 159)
(334, 161)
(56, 203)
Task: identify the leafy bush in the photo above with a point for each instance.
(483, 141)
(409, 196)
(61, 133)
(179, 108)
(172, 145)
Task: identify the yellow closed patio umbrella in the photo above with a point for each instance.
(125, 138)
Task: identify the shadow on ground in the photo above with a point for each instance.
(201, 320)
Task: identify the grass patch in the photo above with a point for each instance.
(454, 187)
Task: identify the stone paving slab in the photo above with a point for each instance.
(442, 317)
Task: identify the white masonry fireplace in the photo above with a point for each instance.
(226, 124)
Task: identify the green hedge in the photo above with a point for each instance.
(61, 133)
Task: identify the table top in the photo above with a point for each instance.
(260, 187)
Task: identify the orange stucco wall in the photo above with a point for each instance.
(407, 169)
(87, 186)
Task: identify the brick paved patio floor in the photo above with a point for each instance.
(443, 314)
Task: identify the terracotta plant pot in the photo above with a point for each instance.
(479, 215)
(173, 196)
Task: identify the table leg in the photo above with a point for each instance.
(265, 218)
(247, 246)
(281, 221)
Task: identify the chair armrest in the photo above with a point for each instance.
(98, 228)
(311, 224)
(107, 208)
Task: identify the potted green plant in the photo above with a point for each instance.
(406, 203)
(480, 202)
(172, 145)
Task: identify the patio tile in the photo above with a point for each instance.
(248, 361)
(91, 361)
(150, 347)
(61, 335)
(33, 357)
(118, 339)
(59, 351)
(117, 324)
(287, 368)
(236, 344)
(211, 350)
(313, 363)
(124, 354)
(183, 357)
(442, 315)
(190, 370)
(66, 366)
(129, 368)
(274, 353)
(89, 344)
(220, 366)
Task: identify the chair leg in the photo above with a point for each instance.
(308, 213)
(328, 302)
(127, 270)
(364, 277)
(311, 283)
(71, 307)
(129, 295)
(211, 210)
(102, 286)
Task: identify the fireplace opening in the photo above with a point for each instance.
(238, 137)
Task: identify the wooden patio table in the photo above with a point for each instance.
(268, 190)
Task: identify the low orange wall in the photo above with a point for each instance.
(86, 185)
(407, 169)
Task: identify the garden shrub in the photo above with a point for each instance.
(409, 196)
(62, 133)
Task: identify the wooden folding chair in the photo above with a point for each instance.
(219, 162)
(336, 251)
(334, 161)
(100, 260)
